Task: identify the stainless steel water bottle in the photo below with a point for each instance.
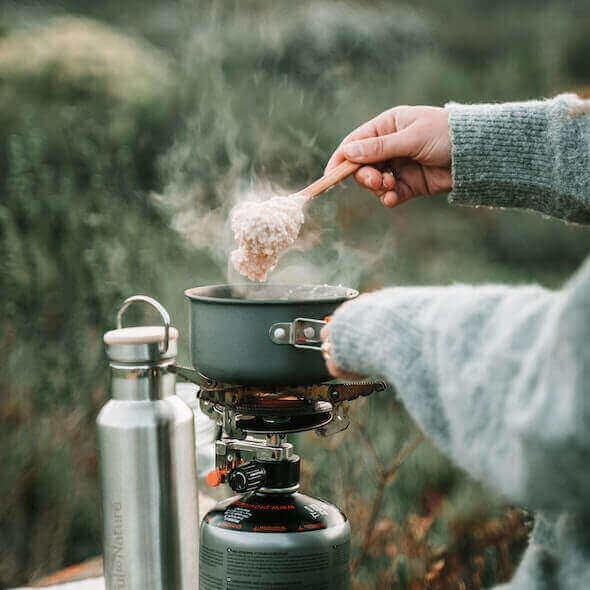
(147, 463)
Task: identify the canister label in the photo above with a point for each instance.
(259, 513)
(232, 568)
(263, 542)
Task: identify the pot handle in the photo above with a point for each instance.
(300, 333)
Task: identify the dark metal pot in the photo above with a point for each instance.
(259, 334)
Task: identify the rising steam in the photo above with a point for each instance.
(255, 133)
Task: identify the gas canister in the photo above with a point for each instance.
(273, 538)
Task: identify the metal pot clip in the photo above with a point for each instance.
(300, 333)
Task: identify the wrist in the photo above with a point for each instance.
(368, 334)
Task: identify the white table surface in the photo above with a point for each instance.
(90, 584)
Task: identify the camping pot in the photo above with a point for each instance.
(260, 334)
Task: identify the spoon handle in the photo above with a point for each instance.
(329, 180)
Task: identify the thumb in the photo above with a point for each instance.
(403, 144)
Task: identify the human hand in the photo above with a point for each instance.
(409, 149)
(333, 368)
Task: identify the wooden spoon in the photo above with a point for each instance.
(327, 181)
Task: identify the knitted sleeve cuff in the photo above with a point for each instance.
(384, 334)
(380, 333)
(504, 155)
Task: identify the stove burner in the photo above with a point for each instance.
(283, 424)
(278, 408)
(266, 404)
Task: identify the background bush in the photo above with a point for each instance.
(126, 132)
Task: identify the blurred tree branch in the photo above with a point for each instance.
(386, 476)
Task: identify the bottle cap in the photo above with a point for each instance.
(142, 343)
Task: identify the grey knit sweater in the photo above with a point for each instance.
(499, 376)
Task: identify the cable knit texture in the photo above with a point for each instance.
(498, 376)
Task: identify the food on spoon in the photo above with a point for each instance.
(263, 231)
(266, 229)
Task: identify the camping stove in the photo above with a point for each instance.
(270, 535)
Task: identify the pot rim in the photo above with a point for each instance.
(194, 295)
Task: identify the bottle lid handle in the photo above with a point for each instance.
(156, 305)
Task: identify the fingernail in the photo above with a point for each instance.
(353, 150)
(388, 180)
(390, 199)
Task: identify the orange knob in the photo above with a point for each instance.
(216, 477)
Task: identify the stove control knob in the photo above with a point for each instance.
(247, 477)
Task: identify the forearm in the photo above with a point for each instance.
(383, 333)
(531, 155)
(495, 375)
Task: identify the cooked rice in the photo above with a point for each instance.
(263, 231)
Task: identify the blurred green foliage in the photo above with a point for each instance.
(117, 124)
(78, 232)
